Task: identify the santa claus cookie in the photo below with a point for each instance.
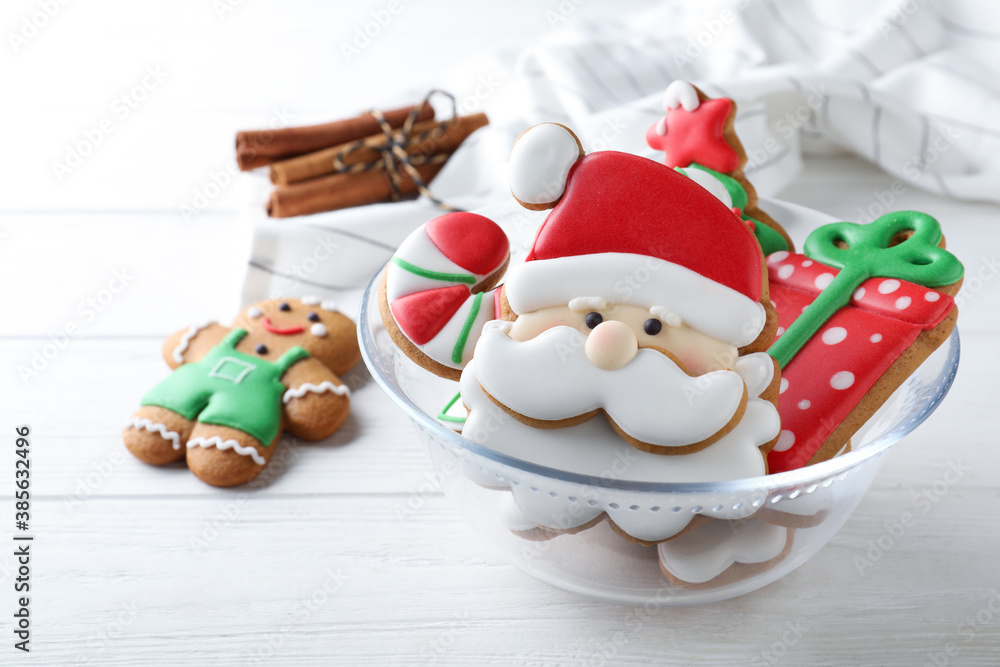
(635, 328)
(235, 389)
(697, 138)
(638, 279)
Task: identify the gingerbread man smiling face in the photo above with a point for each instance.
(234, 390)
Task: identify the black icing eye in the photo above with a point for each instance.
(313, 317)
(260, 349)
(593, 319)
(284, 306)
(652, 326)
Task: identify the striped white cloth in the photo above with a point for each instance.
(911, 85)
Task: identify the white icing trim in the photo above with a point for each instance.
(246, 369)
(540, 162)
(512, 517)
(222, 445)
(757, 371)
(328, 305)
(318, 329)
(253, 312)
(667, 316)
(311, 300)
(707, 551)
(322, 387)
(185, 341)
(582, 303)
(681, 94)
(703, 304)
(142, 423)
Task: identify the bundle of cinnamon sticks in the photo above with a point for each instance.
(340, 164)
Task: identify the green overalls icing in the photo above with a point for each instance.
(229, 388)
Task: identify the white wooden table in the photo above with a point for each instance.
(133, 565)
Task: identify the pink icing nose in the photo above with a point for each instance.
(611, 345)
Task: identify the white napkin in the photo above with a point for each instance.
(911, 85)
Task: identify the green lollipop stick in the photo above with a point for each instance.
(867, 254)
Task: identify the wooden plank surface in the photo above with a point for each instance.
(142, 566)
(424, 590)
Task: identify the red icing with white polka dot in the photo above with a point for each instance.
(836, 368)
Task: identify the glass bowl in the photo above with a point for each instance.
(808, 505)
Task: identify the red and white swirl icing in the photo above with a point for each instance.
(432, 301)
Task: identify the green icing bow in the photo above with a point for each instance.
(861, 252)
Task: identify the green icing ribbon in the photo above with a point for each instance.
(867, 254)
(770, 240)
(463, 336)
(434, 275)
(444, 416)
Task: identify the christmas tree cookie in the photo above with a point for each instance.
(697, 138)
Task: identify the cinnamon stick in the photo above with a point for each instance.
(256, 148)
(427, 138)
(337, 191)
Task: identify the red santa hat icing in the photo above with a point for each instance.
(626, 229)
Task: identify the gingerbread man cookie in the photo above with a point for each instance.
(234, 390)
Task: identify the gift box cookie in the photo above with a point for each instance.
(858, 312)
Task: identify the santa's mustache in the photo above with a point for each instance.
(549, 382)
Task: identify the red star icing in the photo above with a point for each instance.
(696, 136)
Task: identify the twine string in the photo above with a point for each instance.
(394, 153)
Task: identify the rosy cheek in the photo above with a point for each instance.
(693, 363)
(692, 358)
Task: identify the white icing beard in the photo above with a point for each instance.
(595, 449)
(549, 377)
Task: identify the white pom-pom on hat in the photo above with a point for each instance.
(539, 165)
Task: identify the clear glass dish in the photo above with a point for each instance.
(811, 504)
